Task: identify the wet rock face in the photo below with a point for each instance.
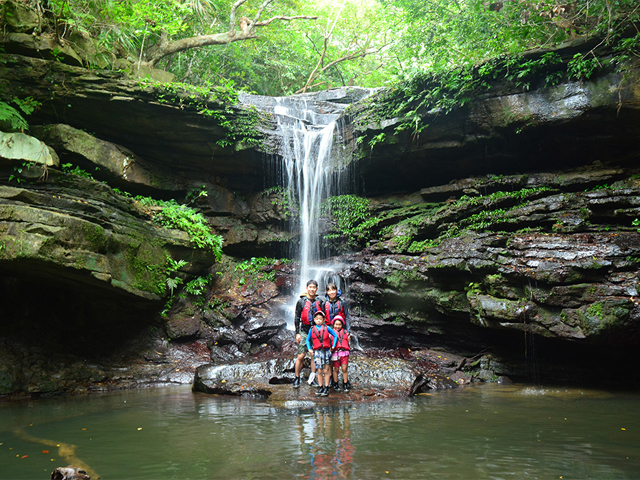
(561, 286)
(506, 130)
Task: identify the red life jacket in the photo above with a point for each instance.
(333, 309)
(343, 340)
(308, 312)
(320, 337)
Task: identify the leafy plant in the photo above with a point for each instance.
(75, 170)
(197, 286)
(57, 54)
(254, 269)
(377, 139)
(196, 193)
(349, 214)
(12, 118)
(582, 68)
(182, 217)
(174, 266)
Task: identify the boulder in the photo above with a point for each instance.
(119, 165)
(95, 237)
(373, 376)
(19, 17)
(18, 148)
(42, 46)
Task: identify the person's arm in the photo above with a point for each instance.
(296, 320)
(347, 322)
(335, 336)
(309, 339)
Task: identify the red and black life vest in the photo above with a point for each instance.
(343, 340)
(320, 337)
(308, 312)
(331, 309)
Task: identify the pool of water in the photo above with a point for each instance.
(477, 432)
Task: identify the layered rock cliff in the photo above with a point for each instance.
(505, 231)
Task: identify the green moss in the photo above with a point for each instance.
(601, 317)
(241, 126)
(351, 217)
(96, 236)
(446, 301)
(148, 265)
(401, 278)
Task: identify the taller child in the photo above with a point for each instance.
(306, 307)
(334, 305)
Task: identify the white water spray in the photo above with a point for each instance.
(308, 141)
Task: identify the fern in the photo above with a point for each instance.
(10, 116)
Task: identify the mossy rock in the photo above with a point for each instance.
(605, 317)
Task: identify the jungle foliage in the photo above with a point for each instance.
(279, 47)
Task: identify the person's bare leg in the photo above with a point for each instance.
(327, 374)
(298, 365)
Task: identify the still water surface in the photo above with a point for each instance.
(478, 432)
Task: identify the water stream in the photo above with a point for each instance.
(478, 432)
(311, 166)
(311, 174)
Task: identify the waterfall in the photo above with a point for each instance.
(315, 165)
(307, 145)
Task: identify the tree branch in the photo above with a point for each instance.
(259, 13)
(245, 32)
(287, 19)
(327, 36)
(156, 54)
(232, 16)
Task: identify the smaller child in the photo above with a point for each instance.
(319, 340)
(340, 357)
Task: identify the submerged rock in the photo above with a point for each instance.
(69, 472)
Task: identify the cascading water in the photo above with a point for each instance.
(313, 169)
(308, 139)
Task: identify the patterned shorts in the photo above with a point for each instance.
(322, 357)
(302, 346)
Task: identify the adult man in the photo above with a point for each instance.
(307, 306)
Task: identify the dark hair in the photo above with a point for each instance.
(331, 286)
(312, 282)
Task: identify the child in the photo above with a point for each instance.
(340, 357)
(333, 306)
(319, 340)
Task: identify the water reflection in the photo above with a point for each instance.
(485, 432)
(325, 444)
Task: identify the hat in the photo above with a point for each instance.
(318, 312)
(338, 317)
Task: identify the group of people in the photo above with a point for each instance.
(325, 324)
